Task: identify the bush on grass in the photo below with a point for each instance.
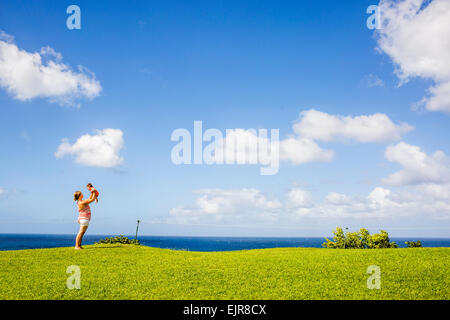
(361, 239)
(118, 239)
(413, 244)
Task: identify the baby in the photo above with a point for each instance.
(91, 188)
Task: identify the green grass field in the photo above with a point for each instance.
(139, 272)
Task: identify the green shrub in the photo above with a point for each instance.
(118, 239)
(359, 240)
(413, 244)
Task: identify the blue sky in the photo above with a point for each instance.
(231, 64)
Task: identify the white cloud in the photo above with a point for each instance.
(436, 191)
(380, 203)
(418, 167)
(243, 144)
(6, 37)
(302, 150)
(322, 126)
(312, 126)
(298, 198)
(415, 35)
(372, 81)
(228, 206)
(252, 207)
(28, 75)
(337, 199)
(48, 51)
(2, 192)
(99, 150)
(439, 99)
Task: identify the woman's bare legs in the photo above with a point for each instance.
(80, 237)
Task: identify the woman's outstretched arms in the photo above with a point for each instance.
(91, 199)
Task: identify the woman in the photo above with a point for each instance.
(84, 215)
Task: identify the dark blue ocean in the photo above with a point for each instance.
(32, 241)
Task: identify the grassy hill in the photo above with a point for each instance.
(139, 272)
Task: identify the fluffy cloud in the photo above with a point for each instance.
(248, 147)
(440, 192)
(28, 75)
(228, 206)
(439, 99)
(316, 125)
(380, 203)
(2, 192)
(415, 35)
(312, 126)
(252, 207)
(99, 150)
(298, 198)
(244, 147)
(301, 150)
(418, 167)
(338, 205)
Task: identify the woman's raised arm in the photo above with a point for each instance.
(91, 199)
